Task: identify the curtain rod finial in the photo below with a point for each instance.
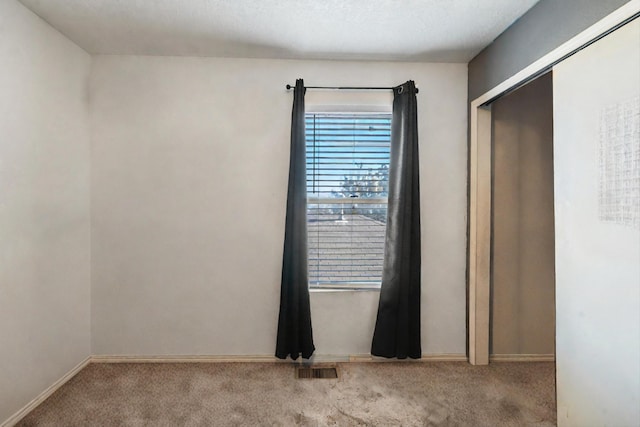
(289, 87)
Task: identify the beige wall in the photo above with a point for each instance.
(523, 286)
(597, 260)
(44, 207)
(189, 172)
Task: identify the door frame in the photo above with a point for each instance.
(480, 186)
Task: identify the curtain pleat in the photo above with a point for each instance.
(397, 330)
(295, 336)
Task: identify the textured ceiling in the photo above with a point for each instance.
(416, 30)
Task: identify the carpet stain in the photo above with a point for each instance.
(352, 419)
(303, 420)
(510, 409)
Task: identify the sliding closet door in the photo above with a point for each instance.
(597, 201)
(522, 265)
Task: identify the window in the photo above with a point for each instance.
(347, 184)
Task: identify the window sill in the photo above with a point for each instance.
(326, 289)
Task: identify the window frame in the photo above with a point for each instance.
(348, 110)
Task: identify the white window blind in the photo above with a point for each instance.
(347, 185)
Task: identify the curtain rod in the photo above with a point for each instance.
(346, 88)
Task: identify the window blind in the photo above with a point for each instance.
(347, 187)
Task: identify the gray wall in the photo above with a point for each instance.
(44, 206)
(522, 266)
(546, 26)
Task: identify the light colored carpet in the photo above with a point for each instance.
(257, 394)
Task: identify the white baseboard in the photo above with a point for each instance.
(424, 358)
(181, 358)
(15, 418)
(320, 358)
(522, 358)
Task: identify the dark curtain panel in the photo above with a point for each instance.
(294, 324)
(397, 332)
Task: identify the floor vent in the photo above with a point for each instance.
(303, 372)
